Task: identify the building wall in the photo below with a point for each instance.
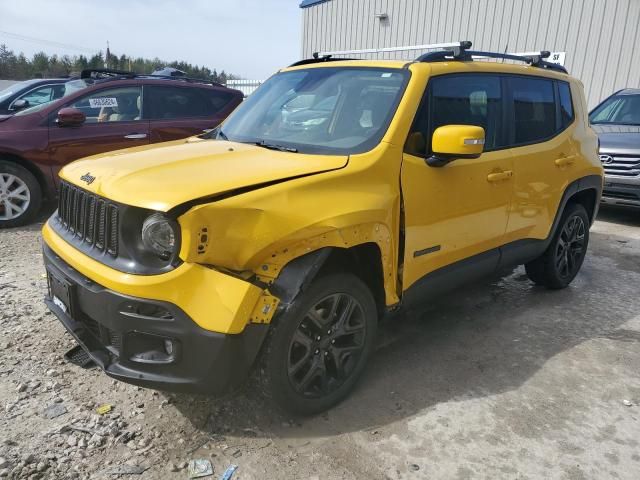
(601, 37)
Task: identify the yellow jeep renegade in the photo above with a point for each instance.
(339, 190)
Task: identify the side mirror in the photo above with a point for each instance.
(455, 141)
(70, 117)
(20, 104)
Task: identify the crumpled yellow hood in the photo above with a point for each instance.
(160, 177)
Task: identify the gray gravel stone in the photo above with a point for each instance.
(55, 410)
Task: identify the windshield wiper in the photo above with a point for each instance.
(617, 123)
(272, 146)
(222, 135)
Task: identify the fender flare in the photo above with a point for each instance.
(296, 275)
(590, 182)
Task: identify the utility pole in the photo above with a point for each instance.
(106, 58)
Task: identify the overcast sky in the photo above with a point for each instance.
(250, 38)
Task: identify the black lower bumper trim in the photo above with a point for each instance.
(78, 356)
(621, 194)
(117, 337)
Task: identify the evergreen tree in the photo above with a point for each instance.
(19, 67)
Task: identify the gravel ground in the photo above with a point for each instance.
(500, 380)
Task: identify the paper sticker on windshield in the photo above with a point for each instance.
(386, 75)
(103, 102)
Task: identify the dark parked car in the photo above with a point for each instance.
(95, 115)
(30, 93)
(617, 122)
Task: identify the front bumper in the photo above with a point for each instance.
(125, 335)
(624, 191)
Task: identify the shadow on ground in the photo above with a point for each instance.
(620, 215)
(480, 341)
(43, 215)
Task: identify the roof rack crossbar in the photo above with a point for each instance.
(366, 51)
(442, 52)
(105, 74)
(184, 79)
(455, 50)
(95, 72)
(317, 58)
(536, 60)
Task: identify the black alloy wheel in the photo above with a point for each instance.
(570, 247)
(560, 263)
(317, 348)
(326, 346)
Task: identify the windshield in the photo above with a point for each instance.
(70, 87)
(619, 110)
(319, 110)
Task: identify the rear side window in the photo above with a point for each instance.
(566, 105)
(176, 102)
(534, 109)
(459, 100)
(216, 100)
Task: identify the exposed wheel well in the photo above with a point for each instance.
(7, 157)
(587, 198)
(363, 260)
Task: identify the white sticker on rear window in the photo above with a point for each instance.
(103, 102)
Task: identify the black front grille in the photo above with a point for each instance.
(90, 218)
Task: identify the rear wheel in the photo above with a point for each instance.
(317, 349)
(561, 262)
(20, 195)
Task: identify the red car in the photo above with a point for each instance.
(104, 110)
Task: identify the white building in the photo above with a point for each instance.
(599, 37)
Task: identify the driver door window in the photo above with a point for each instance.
(113, 105)
(44, 94)
(460, 100)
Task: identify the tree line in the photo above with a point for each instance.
(19, 67)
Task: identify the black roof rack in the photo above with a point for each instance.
(462, 53)
(106, 74)
(179, 79)
(100, 73)
(317, 58)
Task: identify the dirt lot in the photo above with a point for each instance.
(501, 380)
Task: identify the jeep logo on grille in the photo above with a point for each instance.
(87, 177)
(606, 159)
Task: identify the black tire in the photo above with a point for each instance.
(292, 349)
(21, 177)
(560, 263)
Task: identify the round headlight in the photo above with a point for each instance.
(159, 235)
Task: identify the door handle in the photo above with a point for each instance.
(564, 161)
(500, 176)
(133, 136)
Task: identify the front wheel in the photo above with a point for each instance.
(317, 349)
(20, 195)
(561, 262)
